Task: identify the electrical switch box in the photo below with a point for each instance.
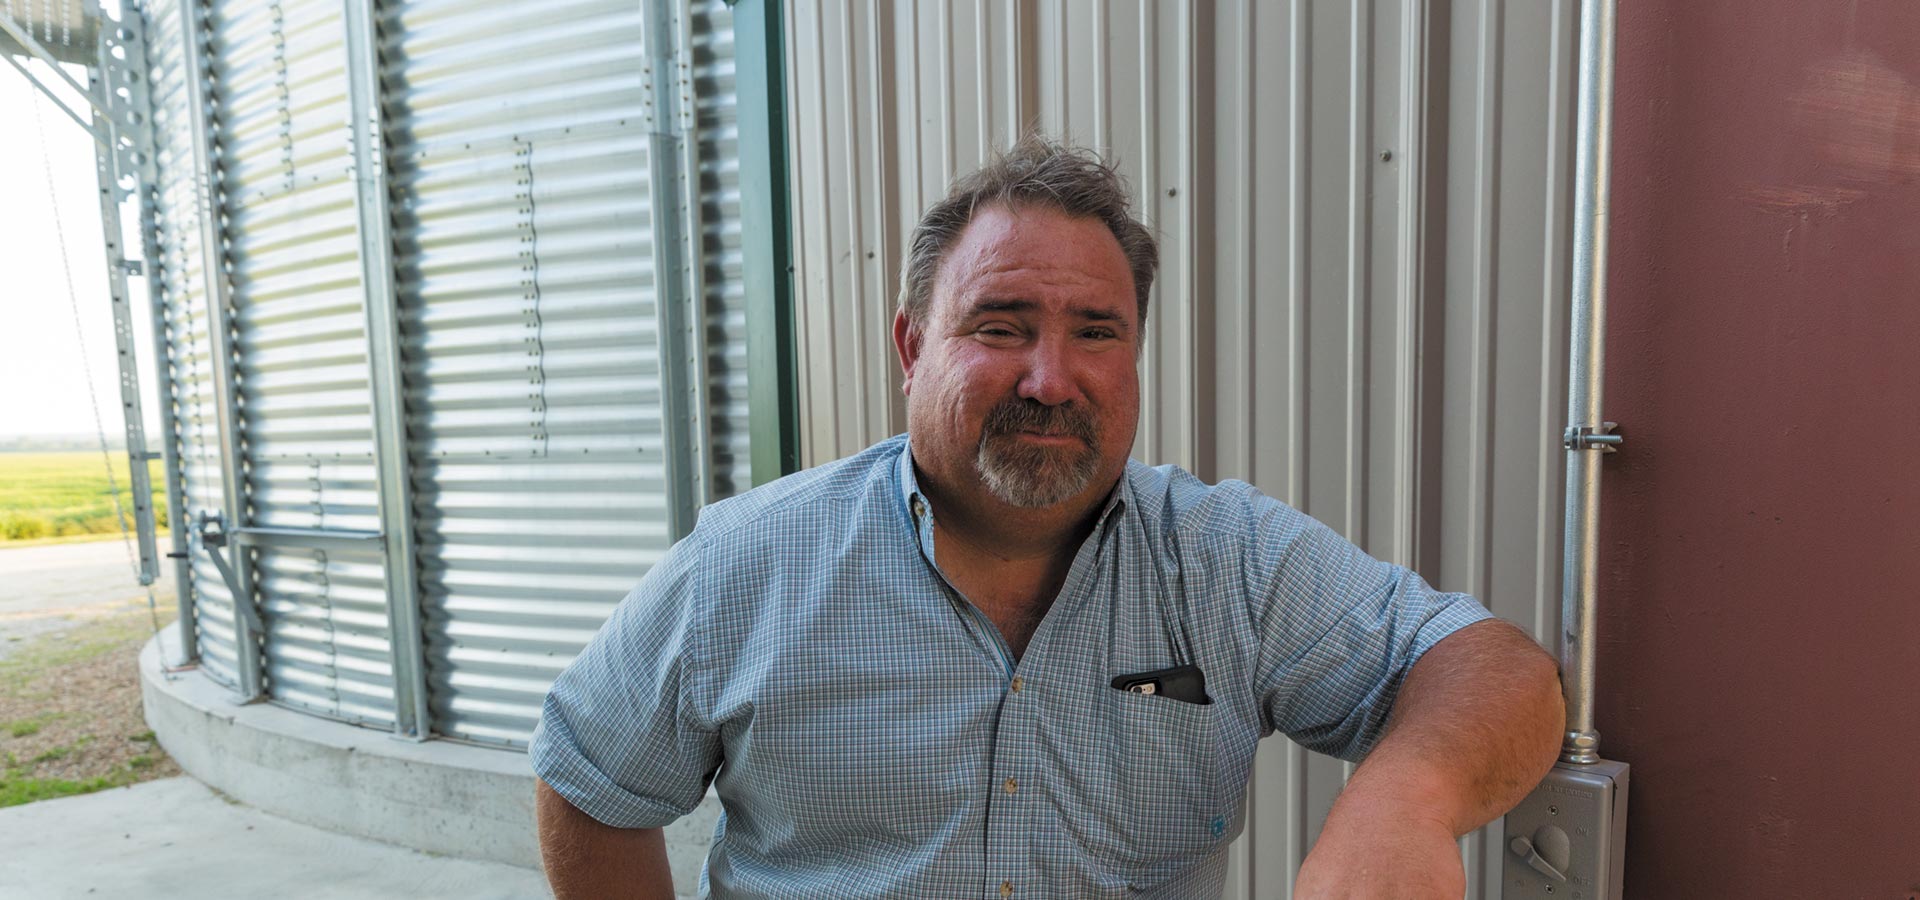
(1568, 839)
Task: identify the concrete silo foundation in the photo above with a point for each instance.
(437, 796)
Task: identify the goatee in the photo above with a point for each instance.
(1031, 476)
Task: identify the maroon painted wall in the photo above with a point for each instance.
(1760, 609)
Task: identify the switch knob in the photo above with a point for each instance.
(1548, 853)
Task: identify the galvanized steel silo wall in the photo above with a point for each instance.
(556, 254)
(189, 351)
(1363, 216)
(528, 234)
(299, 340)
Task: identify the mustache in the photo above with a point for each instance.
(1016, 415)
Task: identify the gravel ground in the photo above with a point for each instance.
(51, 588)
(70, 716)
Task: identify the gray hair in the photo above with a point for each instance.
(1035, 172)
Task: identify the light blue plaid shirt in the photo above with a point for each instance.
(869, 734)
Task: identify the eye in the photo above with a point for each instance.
(997, 332)
(1099, 333)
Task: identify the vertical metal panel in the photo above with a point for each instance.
(858, 161)
(186, 347)
(157, 246)
(279, 77)
(522, 236)
(1331, 322)
(677, 283)
(1501, 502)
(717, 136)
(216, 457)
(524, 225)
(374, 216)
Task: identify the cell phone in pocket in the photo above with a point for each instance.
(1184, 683)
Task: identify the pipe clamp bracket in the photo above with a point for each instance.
(1587, 437)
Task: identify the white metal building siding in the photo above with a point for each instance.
(189, 351)
(1332, 321)
(300, 341)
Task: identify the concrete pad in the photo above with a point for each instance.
(175, 838)
(439, 796)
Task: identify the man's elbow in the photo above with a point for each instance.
(1538, 677)
(585, 858)
(1534, 720)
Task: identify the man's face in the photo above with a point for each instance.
(1022, 380)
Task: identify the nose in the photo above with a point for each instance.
(1049, 377)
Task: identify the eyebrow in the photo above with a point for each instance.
(1002, 304)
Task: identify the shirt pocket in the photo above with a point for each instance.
(1155, 804)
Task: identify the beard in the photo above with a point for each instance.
(1027, 476)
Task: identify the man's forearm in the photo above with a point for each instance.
(1477, 724)
(586, 859)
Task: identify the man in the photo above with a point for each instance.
(994, 658)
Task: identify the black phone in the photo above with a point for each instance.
(1184, 683)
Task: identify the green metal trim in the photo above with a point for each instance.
(766, 233)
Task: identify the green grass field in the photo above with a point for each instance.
(55, 495)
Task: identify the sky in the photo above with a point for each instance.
(44, 386)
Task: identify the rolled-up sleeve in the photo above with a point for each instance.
(1338, 630)
(621, 735)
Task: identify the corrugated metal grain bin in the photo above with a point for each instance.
(562, 284)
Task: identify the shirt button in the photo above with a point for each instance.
(919, 508)
(1012, 785)
(1006, 888)
(1017, 684)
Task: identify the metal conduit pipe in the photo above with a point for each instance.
(1587, 437)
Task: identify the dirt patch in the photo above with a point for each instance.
(70, 716)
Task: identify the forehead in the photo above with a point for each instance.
(1037, 254)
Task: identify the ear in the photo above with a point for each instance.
(907, 342)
